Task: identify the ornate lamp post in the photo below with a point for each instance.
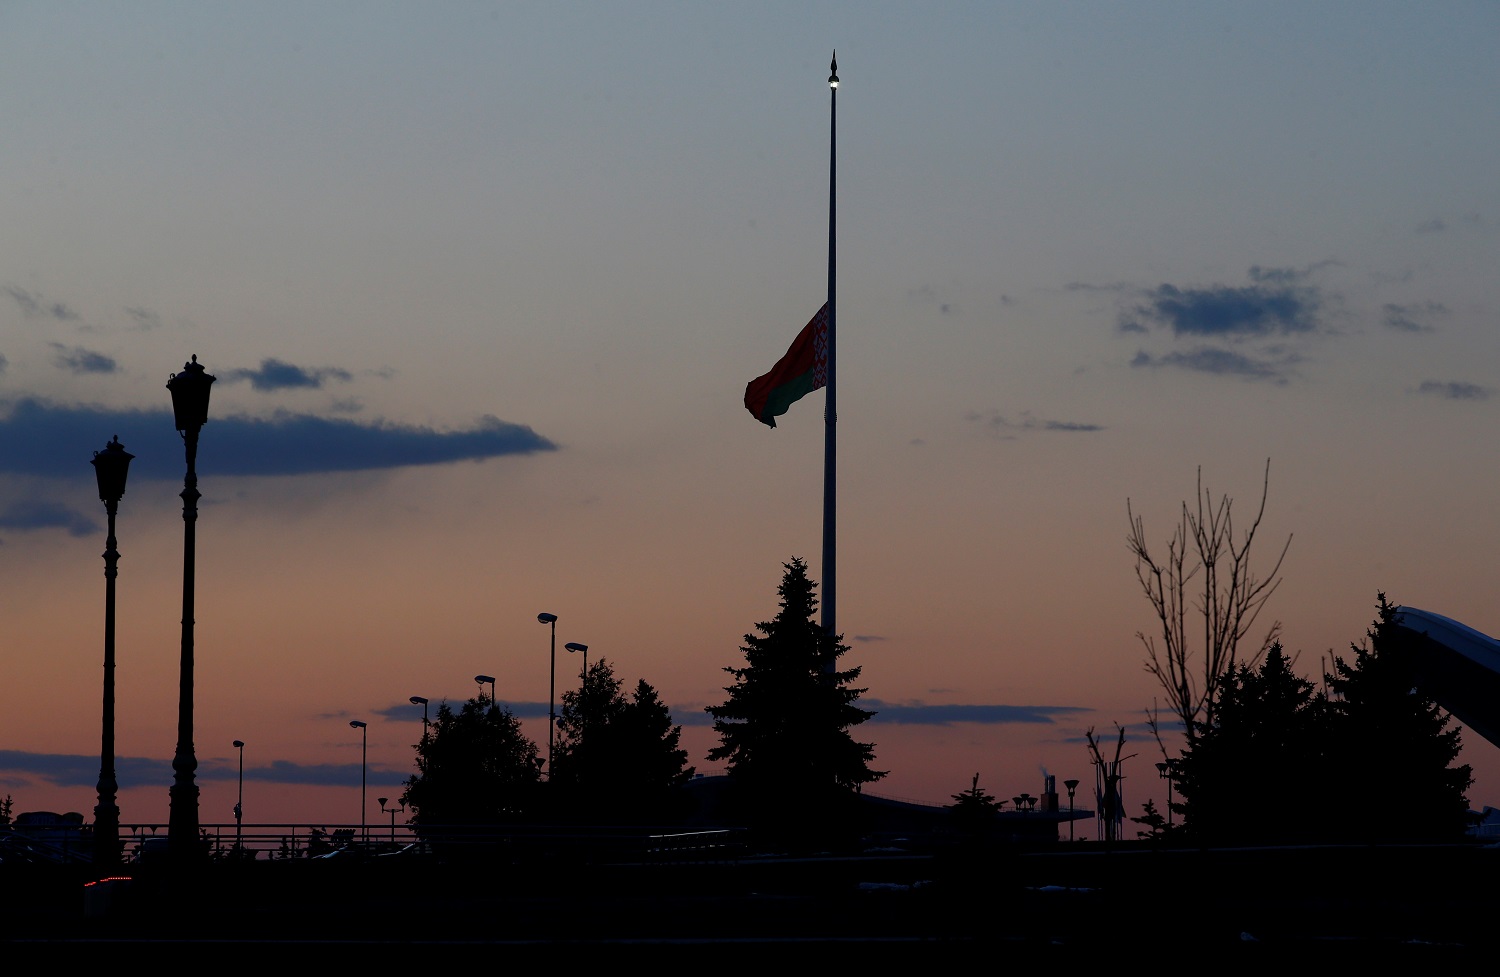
(190, 407)
(110, 468)
(545, 618)
(1167, 770)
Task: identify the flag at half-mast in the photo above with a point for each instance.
(802, 370)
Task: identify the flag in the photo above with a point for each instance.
(802, 370)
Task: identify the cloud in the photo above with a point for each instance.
(143, 318)
(410, 713)
(77, 770)
(1276, 303)
(1218, 361)
(52, 441)
(33, 306)
(1413, 318)
(277, 374)
(1435, 226)
(1027, 421)
(76, 359)
(28, 514)
(869, 637)
(1453, 390)
(919, 714)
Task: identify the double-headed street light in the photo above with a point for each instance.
(110, 468)
(190, 412)
(551, 619)
(392, 812)
(364, 751)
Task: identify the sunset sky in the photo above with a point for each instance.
(483, 283)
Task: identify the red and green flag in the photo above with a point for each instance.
(802, 370)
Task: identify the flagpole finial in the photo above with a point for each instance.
(833, 71)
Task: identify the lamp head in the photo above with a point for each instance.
(356, 724)
(417, 700)
(546, 618)
(575, 646)
(240, 744)
(482, 679)
(382, 800)
(833, 72)
(110, 468)
(190, 395)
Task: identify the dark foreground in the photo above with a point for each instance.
(1072, 906)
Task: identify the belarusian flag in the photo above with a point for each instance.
(802, 370)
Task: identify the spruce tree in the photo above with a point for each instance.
(784, 730)
(1393, 740)
(474, 767)
(1247, 776)
(618, 759)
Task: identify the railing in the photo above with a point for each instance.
(143, 842)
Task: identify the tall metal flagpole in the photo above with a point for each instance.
(830, 407)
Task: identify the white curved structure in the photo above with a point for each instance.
(1459, 667)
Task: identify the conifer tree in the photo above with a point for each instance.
(1393, 741)
(1261, 756)
(619, 758)
(474, 767)
(784, 730)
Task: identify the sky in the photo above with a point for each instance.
(482, 285)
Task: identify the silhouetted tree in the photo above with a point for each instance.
(1251, 773)
(1203, 556)
(1394, 747)
(618, 758)
(785, 728)
(974, 809)
(474, 767)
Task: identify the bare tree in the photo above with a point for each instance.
(1227, 594)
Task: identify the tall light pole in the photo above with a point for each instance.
(239, 804)
(1072, 785)
(418, 700)
(582, 703)
(110, 468)
(189, 390)
(364, 751)
(545, 618)
(480, 680)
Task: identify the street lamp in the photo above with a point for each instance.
(545, 618)
(418, 700)
(189, 390)
(1072, 785)
(392, 812)
(239, 805)
(364, 751)
(481, 679)
(583, 676)
(1167, 770)
(110, 468)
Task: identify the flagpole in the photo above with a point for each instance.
(830, 408)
